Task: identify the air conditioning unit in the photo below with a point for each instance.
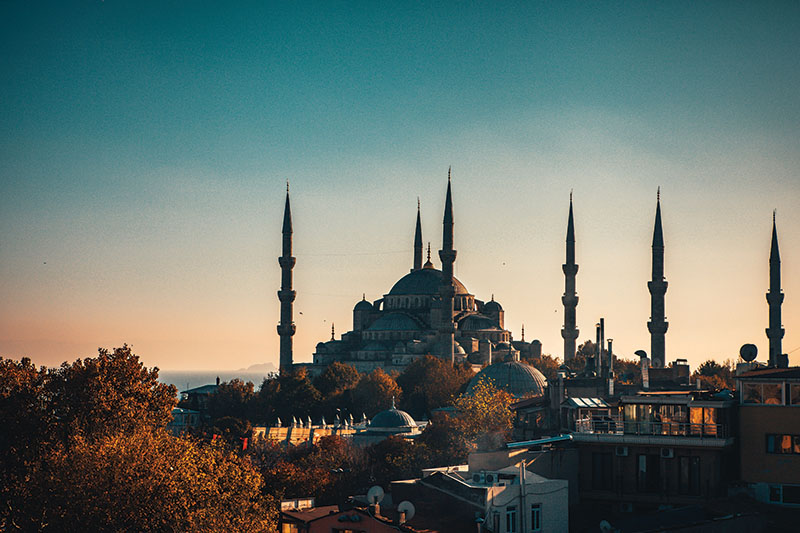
(622, 451)
(479, 478)
(491, 478)
(667, 453)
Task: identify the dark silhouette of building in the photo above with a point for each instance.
(286, 295)
(570, 299)
(658, 287)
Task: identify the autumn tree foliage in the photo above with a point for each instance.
(714, 375)
(375, 391)
(430, 382)
(88, 451)
(145, 480)
(484, 414)
(232, 399)
(287, 395)
(547, 365)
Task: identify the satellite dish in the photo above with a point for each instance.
(375, 495)
(748, 352)
(408, 508)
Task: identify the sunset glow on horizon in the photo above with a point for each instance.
(145, 150)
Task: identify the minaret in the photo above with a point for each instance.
(286, 295)
(775, 299)
(658, 287)
(447, 290)
(418, 243)
(570, 300)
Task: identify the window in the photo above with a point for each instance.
(751, 393)
(773, 393)
(536, 517)
(794, 390)
(511, 519)
(649, 473)
(783, 444)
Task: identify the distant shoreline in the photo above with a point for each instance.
(189, 379)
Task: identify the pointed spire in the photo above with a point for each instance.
(658, 236)
(570, 222)
(287, 213)
(447, 238)
(774, 254)
(418, 242)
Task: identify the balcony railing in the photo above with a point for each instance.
(617, 426)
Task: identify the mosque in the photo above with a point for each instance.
(426, 312)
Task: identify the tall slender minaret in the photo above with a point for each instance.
(286, 295)
(447, 290)
(570, 300)
(418, 243)
(775, 299)
(658, 287)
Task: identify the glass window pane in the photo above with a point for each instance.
(696, 420)
(786, 443)
(770, 443)
(796, 444)
(773, 393)
(751, 393)
(795, 393)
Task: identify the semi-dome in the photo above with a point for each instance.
(424, 281)
(395, 322)
(477, 323)
(519, 379)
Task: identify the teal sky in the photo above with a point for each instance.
(144, 149)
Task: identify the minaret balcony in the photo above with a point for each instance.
(287, 261)
(286, 295)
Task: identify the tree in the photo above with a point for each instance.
(547, 365)
(287, 395)
(715, 375)
(335, 379)
(143, 480)
(375, 391)
(232, 399)
(106, 394)
(430, 382)
(484, 414)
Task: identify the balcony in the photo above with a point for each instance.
(615, 430)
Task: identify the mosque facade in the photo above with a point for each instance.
(426, 312)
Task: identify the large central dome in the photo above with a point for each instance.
(423, 281)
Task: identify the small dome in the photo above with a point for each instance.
(492, 307)
(423, 281)
(518, 379)
(395, 322)
(363, 305)
(392, 418)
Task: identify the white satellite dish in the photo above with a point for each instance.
(375, 495)
(408, 508)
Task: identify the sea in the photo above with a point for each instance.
(184, 380)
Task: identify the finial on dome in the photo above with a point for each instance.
(492, 296)
(332, 331)
(363, 296)
(428, 263)
(393, 407)
(523, 332)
